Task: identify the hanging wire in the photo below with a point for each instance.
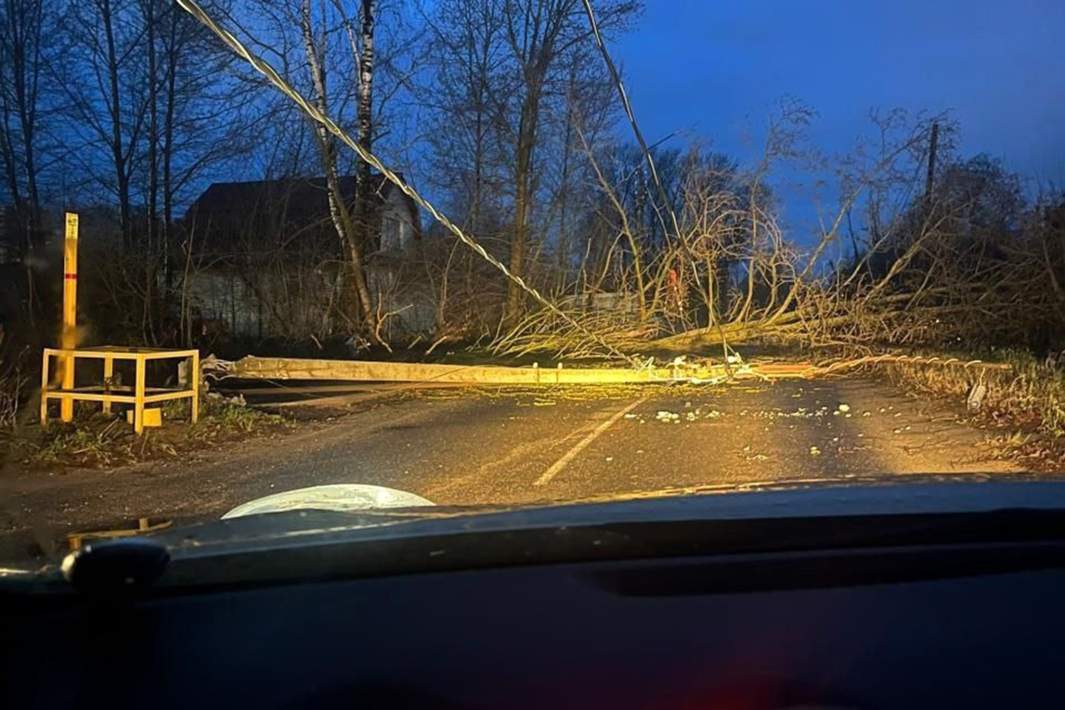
(264, 68)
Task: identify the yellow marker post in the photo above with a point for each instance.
(109, 376)
(70, 311)
(44, 389)
(138, 397)
(194, 373)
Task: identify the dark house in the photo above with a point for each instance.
(268, 255)
(12, 235)
(279, 212)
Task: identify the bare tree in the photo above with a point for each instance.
(204, 119)
(26, 45)
(462, 96)
(339, 205)
(535, 32)
(102, 77)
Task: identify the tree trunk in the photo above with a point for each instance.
(172, 60)
(153, 128)
(152, 224)
(115, 109)
(530, 109)
(567, 150)
(22, 55)
(338, 209)
(367, 236)
(474, 209)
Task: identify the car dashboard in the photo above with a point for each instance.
(915, 613)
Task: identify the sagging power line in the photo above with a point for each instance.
(264, 68)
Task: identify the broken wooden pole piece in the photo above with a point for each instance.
(275, 368)
(369, 371)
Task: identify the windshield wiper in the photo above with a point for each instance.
(117, 568)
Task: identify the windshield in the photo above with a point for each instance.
(479, 255)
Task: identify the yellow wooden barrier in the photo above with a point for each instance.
(139, 394)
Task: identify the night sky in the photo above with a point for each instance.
(714, 69)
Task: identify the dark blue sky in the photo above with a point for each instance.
(716, 68)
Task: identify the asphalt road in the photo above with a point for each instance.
(461, 447)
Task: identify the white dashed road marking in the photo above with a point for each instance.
(554, 469)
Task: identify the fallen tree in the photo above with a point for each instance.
(954, 262)
(960, 264)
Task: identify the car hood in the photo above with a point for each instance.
(303, 545)
(305, 513)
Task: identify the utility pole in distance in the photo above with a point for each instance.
(933, 145)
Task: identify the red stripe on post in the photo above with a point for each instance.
(70, 276)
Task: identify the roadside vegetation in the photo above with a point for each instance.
(93, 440)
(14, 387)
(1025, 401)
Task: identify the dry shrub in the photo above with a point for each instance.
(1031, 392)
(547, 331)
(14, 381)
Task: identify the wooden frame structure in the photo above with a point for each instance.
(144, 525)
(139, 394)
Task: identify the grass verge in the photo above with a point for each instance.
(95, 440)
(1027, 401)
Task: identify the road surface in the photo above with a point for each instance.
(458, 447)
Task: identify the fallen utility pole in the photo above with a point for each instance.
(269, 368)
(276, 368)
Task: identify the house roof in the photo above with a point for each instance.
(298, 200)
